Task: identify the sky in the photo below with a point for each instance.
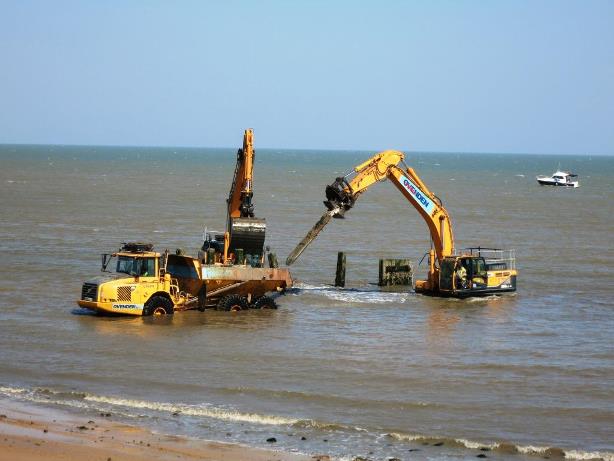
(532, 76)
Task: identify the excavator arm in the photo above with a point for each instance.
(240, 197)
(343, 193)
(243, 229)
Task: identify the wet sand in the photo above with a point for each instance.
(34, 433)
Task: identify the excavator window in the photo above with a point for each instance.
(446, 273)
(478, 273)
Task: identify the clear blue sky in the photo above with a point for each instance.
(481, 76)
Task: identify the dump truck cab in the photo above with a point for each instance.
(138, 285)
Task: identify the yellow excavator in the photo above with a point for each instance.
(475, 271)
(244, 231)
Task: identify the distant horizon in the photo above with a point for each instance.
(303, 149)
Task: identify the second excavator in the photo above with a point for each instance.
(475, 271)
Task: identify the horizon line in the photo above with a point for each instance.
(303, 149)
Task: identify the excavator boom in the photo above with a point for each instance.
(243, 230)
(342, 194)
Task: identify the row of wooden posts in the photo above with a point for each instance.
(391, 271)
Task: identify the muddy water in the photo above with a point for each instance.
(354, 371)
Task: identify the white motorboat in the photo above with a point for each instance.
(559, 178)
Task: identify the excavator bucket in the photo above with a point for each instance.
(247, 234)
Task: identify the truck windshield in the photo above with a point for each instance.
(136, 266)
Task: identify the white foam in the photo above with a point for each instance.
(195, 410)
(575, 454)
(12, 390)
(355, 296)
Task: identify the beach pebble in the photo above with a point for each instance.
(271, 440)
(303, 438)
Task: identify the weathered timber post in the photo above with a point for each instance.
(210, 256)
(273, 264)
(340, 275)
(239, 256)
(395, 272)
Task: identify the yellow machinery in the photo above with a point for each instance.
(472, 272)
(150, 283)
(140, 284)
(243, 230)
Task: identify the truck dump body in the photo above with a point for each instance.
(252, 282)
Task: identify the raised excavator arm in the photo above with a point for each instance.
(343, 193)
(243, 230)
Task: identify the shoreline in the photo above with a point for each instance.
(33, 433)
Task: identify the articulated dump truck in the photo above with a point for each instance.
(149, 283)
(228, 274)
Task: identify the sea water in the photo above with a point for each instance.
(350, 372)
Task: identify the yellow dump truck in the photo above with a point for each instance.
(145, 282)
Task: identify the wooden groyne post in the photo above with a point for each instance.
(395, 272)
(340, 275)
(273, 264)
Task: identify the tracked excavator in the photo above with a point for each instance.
(244, 231)
(475, 271)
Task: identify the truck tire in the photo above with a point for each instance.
(232, 303)
(264, 302)
(158, 305)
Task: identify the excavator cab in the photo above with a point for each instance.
(463, 275)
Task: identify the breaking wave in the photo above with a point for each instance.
(125, 407)
(505, 447)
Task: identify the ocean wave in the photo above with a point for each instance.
(86, 400)
(505, 447)
(194, 410)
(90, 402)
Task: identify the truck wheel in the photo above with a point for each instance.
(232, 303)
(264, 302)
(158, 305)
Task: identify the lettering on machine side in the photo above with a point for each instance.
(126, 306)
(417, 194)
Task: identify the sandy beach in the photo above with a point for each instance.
(34, 433)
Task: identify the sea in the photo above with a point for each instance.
(359, 371)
